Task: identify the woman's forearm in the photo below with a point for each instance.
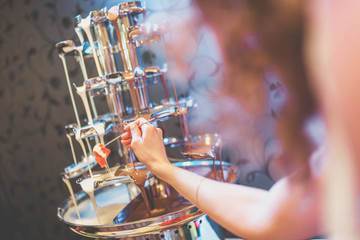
(247, 212)
(185, 182)
(223, 202)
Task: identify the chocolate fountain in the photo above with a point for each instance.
(121, 198)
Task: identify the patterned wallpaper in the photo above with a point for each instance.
(35, 107)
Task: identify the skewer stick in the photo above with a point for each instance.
(175, 112)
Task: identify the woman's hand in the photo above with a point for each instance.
(147, 143)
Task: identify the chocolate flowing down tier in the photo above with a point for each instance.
(122, 211)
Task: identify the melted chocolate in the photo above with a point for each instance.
(129, 77)
(160, 205)
(221, 165)
(197, 148)
(139, 176)
(113, 16)
(204, 150)
(182, 118)
(164, 198)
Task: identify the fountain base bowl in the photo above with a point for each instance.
(111, 199)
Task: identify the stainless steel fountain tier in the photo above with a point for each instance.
(184, 223)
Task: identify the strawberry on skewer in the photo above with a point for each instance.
(101, 153)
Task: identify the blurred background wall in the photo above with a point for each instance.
(35, 106)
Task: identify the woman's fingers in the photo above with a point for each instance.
(126, 136)
(127, 128)
(137, 122)
(148, 130)
(138, 131)
(141, 121)
(135, 132)
(160, 132)
(127, 142)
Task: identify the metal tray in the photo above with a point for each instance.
(112, 198)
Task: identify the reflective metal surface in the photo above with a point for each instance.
(76, 170)
(201, 147)
(112, 198)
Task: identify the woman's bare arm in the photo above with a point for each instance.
(287, 211)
